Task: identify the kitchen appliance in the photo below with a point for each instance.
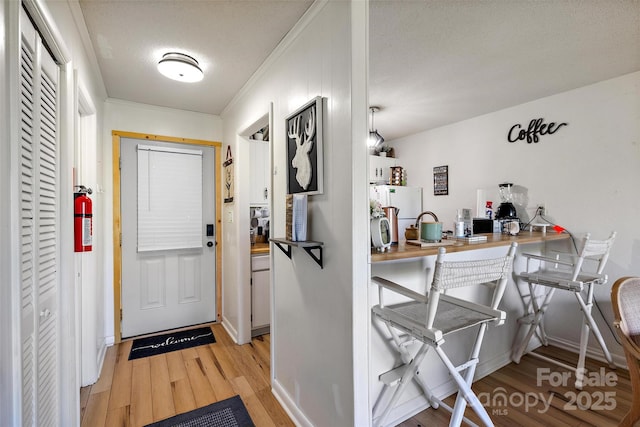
(485, 225)
(408, 201)
(430, 232)
(391, 213)
(506, 210)
(380, 233)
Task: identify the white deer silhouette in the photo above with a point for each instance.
(304, 144)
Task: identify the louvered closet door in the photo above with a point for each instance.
(39, 229)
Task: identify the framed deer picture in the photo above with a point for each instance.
(304, 149)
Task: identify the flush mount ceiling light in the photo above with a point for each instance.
(181, 67)
(375, 139)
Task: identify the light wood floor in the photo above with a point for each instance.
(141, 391)
(604, 405)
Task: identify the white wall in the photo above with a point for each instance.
(312, 338)
(586, 174)
(88, 266)
(141, 118)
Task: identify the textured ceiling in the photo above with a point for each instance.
(436, 62)
(432, 62)
(230, 39)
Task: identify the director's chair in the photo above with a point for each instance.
(430, 318)
(566, 272)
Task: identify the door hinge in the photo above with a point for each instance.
(120, 163)
(120, 239)
(121, 315)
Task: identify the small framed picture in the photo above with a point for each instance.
(304, 149)
(441, 180)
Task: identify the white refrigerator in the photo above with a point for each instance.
(408, 200)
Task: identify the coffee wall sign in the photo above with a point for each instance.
(536, 128)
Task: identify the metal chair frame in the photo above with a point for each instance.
(428, 319)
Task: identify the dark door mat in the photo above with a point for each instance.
(151, 346)
(226, 413)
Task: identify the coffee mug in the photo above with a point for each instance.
(431, 232)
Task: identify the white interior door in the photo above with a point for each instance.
(168, 242)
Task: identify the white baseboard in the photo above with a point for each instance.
(592, 352)
(233, 333)
(289, 406)
(109, 341)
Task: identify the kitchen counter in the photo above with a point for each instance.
(413, 268)
(260, 248)
(404, 251)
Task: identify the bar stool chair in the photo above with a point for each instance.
(565, 272)
(431, 318)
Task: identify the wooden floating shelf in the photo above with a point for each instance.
(307, 245)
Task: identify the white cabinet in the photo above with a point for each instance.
(380, 169)
(260, 295)
(259, 172)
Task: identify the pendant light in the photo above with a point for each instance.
(180, 67)
(375, 139)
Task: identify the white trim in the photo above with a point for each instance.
(12, 382)
(48, 30)
(282, 47)
(592, 352)
(69, 381)
(140, 105)
(360, 240)
(81, 27)
(228, 326)
(85, 103)
(289, 406)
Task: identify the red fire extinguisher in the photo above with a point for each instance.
(83, 220)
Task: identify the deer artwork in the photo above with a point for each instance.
(304, 144)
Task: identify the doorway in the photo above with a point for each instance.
(166, 228)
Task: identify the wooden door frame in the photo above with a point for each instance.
(117, 218)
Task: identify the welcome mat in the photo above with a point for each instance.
(226, 413)
(150, 346)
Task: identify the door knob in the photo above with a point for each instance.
(209, 244)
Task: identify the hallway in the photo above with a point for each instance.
(142, 391)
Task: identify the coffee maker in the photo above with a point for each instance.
(506, 210)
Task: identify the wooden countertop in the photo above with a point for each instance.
(402, 251)
(260, 248)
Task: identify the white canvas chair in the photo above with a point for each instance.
(430, 319)
(570, 273)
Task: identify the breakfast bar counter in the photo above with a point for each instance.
(413, 267)
(406, 251)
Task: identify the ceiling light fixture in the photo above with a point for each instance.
(375, 139)
(180, 67)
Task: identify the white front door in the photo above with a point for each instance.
(167, 282)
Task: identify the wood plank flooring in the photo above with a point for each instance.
(142, 391)
(138, 392)
(554, 402)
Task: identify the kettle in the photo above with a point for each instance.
(391, 213)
